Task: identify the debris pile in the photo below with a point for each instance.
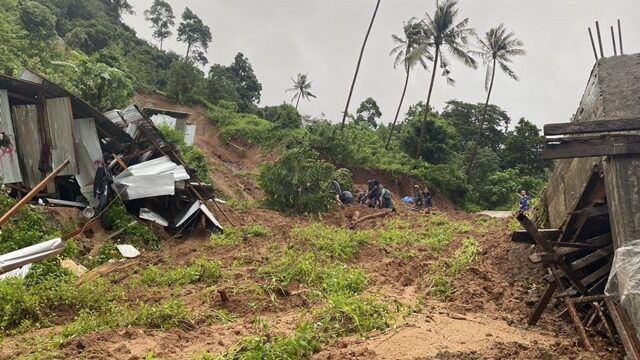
(592, 209)
(118, 153)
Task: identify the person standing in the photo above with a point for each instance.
(524, 201)
(428, 201)
(418, 197)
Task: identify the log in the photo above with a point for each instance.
(580, 147)
(591, 127)
(357, 220)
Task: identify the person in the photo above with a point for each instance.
(428, 200)
(374, 193)
(524, 201)
(386, 202)
(362, 196)
(346, 197)
(418, 198)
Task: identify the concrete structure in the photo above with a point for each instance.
(612, 93)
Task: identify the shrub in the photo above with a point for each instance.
(193, 156)
(298, 183)
(202, 270)
(346, 315)
(167, 315)
(117, 217)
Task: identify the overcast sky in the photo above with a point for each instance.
(323, 38)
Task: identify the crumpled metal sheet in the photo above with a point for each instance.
(151, 215)
(144, 186)
(205, 210)
(162, 119)
(128, 251)
(179, 173)
(150, 167)
(30, 254)
(187, 213)
(20, 272)
(189, 135)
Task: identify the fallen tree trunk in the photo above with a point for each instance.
(357, 219)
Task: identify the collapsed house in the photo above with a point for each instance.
(118, 153)
(592, 207)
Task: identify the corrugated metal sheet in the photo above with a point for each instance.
(29, 75)
(88, 150)
(25, 121)
(181, 125)
(144, 186)
(190, 135)
(60, 120)
(161, 119)
(9, 164)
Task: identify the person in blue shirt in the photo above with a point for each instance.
(524, 201)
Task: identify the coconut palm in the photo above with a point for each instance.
(355, 76)
(408, 52)
(497, 48)
(442, 31)
(302, 87)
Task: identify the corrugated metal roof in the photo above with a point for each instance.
(32, 90)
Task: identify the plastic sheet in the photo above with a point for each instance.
(624, 280)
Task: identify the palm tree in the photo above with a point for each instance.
(441, 30)
(408, 52)
(302, 87)
(355, 76)
(497, 48)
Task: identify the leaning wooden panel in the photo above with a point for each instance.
(25, 121)
(60, 120)
(9, 164)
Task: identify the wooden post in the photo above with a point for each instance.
(599, 39)
(25, 200)
(593, 44)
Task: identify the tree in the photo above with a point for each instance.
(408, 52)
(38, 21)
(440, 31)
(117, 7)
(247, 84)
(368, 112)
(160, 14)
(522, 148)
(221, 85)
(443, 139)
(355, 75)
(196, 35)
(185, 81)
(466, 116)
(284, 116)
(103, 86)
(497, 48)
(302, 89)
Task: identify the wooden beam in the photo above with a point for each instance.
(625, 329)
(591, 127)
(25, 200)
(579, 147)
(522, 236)
(542, 303)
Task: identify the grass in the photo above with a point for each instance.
(333, 242)
(444, 270)
(236, 235)
(202, 270)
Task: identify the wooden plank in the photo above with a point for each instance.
(522, 236)
(591, 258)
(591, 127)
(542, 303)
(627, 333)
(581, 147)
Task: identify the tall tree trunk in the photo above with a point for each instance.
(423, 128)
(188, 50)
(355, 76)
(393, 125)
(474, 152)
(298, 101)
(161, 43)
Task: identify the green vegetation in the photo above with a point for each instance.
(298, 183)
(443, 271)
(334, 242)
(193, 156)
(116, 218)
(202, 270)
(235, 235)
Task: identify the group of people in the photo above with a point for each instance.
(379, 196)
